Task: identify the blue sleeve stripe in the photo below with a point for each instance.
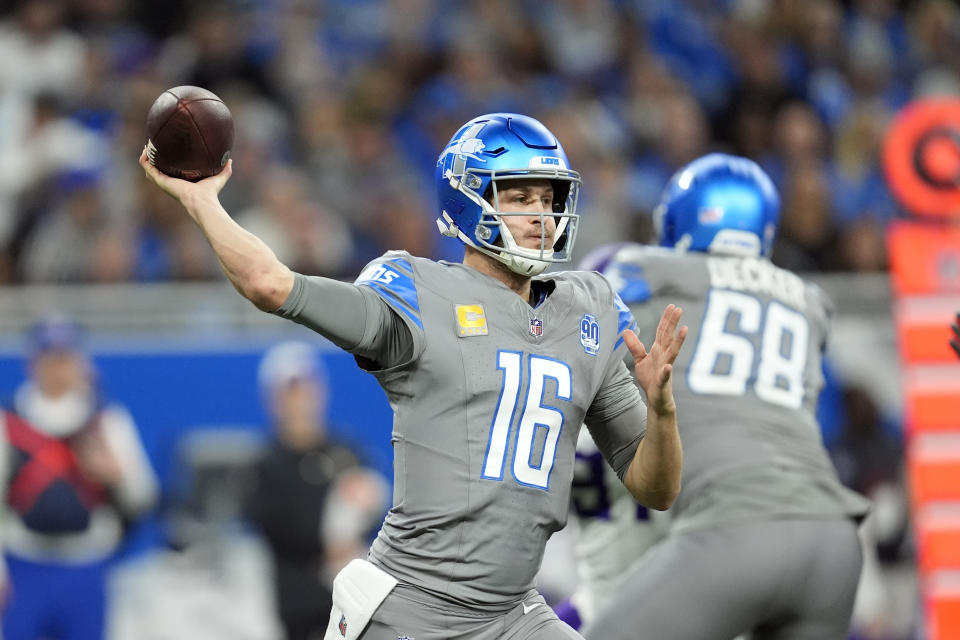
(626, 317)
(405, 264)
(397, 302)
(626, 320)
(393, 280)
(635, 290)
(616, 345)
(404, 288)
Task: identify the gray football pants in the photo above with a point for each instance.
(782, 580)
(407, 613)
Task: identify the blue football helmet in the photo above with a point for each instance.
(505, 146)
(719, 203)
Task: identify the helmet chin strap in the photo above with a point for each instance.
(520, 260)
(525, 265)
(526, 262)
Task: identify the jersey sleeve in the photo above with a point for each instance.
(617, 418)
(377, 318)
(336, 310)
(625, 320)
(394, 337)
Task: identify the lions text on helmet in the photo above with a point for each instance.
(494, 152)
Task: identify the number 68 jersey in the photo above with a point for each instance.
(488, 394)
(746, 383)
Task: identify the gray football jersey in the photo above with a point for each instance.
(746, 383)
(488, 395)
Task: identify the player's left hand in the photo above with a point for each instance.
(653, 368)
(955, 339)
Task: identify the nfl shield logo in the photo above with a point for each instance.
(343, 626)
(536, 326)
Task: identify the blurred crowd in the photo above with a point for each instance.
(341, 107)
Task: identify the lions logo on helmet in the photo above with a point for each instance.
(719, 204)
(469, 148)
(505, 146)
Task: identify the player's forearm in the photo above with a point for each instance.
(249, 264)
(653, 477)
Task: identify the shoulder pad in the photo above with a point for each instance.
(393, 278)
(602, 293)
(626, 272)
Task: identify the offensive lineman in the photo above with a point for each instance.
(611, 533)
(763, 537)
(490, 371)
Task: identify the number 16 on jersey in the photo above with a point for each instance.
(533, 417)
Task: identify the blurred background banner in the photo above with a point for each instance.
(922, 159)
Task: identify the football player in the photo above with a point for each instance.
(610, 532)
(763, 537)
(490, 368)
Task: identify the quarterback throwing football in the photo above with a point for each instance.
(490, 369)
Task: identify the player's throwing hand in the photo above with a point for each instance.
(653, 367)
(183, 190)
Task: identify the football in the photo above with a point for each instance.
(189, 133)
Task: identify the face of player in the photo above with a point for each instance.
(298, 406)
(533, 197)
(58, 372)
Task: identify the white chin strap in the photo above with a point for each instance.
(529, 263)
(525, 266)
(526, 262)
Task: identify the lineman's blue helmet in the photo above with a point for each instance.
(719, 203)
(505, 146)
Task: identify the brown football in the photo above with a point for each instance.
(189, 133)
